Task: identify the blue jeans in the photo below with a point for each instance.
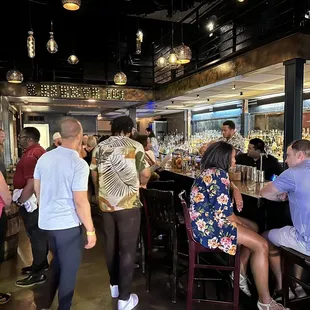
(66, 246)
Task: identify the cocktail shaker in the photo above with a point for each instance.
(261, 176)
(254, 174)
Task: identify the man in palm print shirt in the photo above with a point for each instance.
(118, 170)
(232, 137)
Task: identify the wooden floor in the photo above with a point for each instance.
(92, 289)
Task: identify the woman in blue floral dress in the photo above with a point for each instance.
(215, 225)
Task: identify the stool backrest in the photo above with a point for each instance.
(160, 206)
(162, 185)
(187, 218)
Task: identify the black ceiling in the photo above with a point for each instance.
(92, 32)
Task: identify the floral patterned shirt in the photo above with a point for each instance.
(118, 161)
(237, 141)
(210, 206)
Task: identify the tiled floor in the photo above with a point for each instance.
(92, 289)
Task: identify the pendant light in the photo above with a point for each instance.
(120, 77)
(161, 61)
(73, 59)
(71, 5)
(139, 40)
(183, 52)
(30, 39)
(31, 45)
(138, 46)
(51, 45)
(173, 57)
(14, 76)
(211, 24)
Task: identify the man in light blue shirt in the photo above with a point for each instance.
(294, 184)
(61, 183)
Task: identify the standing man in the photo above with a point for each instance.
(62, 194)
(232, 137)
(294, 184)
(24, 197)
(119, 164)
(56, 142)
(252, 158)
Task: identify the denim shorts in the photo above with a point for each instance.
(287, 237)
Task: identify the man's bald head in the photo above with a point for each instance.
(70, 128)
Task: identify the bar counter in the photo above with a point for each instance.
(266, 214)
(250, 189)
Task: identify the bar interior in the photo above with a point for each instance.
(191, 75)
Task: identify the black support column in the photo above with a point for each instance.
(132, 113)
(245, 118)
(293, 107)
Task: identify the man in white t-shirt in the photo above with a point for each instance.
(61, 184)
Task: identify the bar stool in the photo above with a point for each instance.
(162, 185)
(145, 238)
(194, 249)
(291, 257)
(160, 216)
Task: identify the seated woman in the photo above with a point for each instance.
(216, 226)
(149, 155)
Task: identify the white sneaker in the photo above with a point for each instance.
(299, 291)
(114, 291)
(243, 284)
(273, 305)
(128, 304)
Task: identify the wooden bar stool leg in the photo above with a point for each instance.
(143, 253)
(285, 279)
(174, 267)
(190, 281)
(236, 280)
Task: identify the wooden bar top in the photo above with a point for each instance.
(250, 189)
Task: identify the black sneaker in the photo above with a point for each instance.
(28, 269)
(4, 298)
(31, 281)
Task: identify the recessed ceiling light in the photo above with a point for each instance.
(240, 0)
(91, 100)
